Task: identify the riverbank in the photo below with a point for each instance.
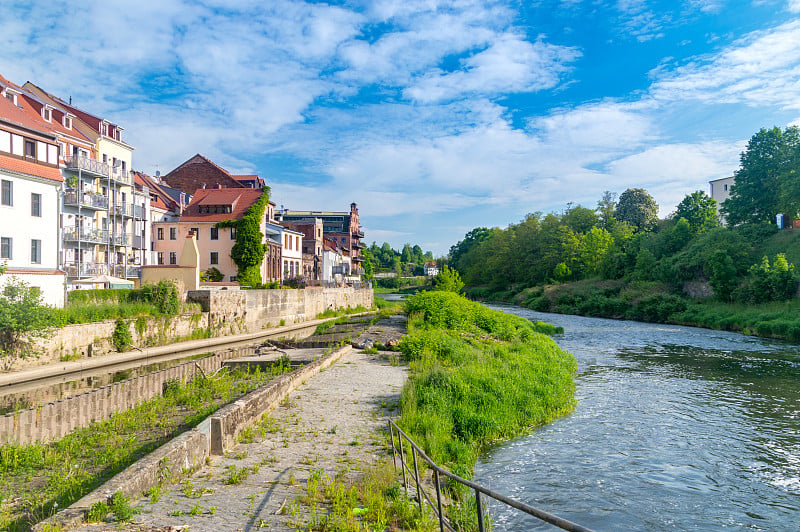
(655, 303)
(477, 376)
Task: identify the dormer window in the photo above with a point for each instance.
(104, 128)
(11, 95)
(67, 121)
(47, 113)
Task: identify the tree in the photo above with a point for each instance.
(368, 267)
(761, 188)
(579, 219)
(700, 210)
(605, 210)
(471, 239)
(638, 208)
(21, 312)
(447, 280)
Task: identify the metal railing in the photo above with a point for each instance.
(478, 489)
(123, 209)
(80, 162)
(97, 236)
(84, 269)
(86, 199)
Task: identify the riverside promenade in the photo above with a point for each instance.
(335, 422)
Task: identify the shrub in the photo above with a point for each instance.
(121, 338)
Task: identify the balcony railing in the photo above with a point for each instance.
(138, 212)
(97, 236)
(121, 239)
(358, 234)
(123, 209)
(85, 269)
(85, 164)
(85, 199)
(126, 272)
(138, 241)
(124, 177)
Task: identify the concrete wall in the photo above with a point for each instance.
(215, 435)
(54, 420)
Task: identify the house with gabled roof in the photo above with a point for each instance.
(200, 172)
(30, 193)
(200, 218)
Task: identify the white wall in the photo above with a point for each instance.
(17, 223)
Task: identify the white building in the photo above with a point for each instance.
(720, 191)
(30, 191)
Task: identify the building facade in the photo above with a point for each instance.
(720, 191)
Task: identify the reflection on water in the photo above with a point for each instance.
(676, 428)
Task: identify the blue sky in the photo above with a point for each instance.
(435, 117)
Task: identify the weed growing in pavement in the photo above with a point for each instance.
(121, 507)
(236, 476)
(97, 512)
(154, 493)
(196, 510)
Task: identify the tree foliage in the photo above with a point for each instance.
(409, 261)
(638, 208)
(21, 313)
(699, 210)
(448, 280)
(249, 249)
(766, 182)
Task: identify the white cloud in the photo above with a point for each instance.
(509, 64)
(762, 68)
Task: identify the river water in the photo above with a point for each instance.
(676, 428)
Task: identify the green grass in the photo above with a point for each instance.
(478, 376)
(37, 480)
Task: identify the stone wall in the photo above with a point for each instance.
(54, 420)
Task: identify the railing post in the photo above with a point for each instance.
(391, 435)
(439, 499)
(479, 507)
(402, 460)
(416, 477)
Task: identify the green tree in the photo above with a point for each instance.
(637, 208)
(645, 265)
(761, 188)
(605, 210)
(700, 210)
(447, 280)
(21, 313)
(471, 239)
(594, 247)
(579, 219)
(369, 269)
(723, 277)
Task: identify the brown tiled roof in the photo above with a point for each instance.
(29, 167)
(240, 199)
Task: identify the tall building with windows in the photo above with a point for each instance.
(30, 192)
(101, 216)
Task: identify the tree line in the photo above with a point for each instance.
(621, 238)
(409, 261)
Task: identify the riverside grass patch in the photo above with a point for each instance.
(478, 376)
(38, 480)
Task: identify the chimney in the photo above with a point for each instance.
(219, 185)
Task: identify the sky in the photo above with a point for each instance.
(434, 117)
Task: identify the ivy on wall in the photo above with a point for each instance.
(248, 251)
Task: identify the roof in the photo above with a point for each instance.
(722, 179)
(163, 199)
(240, 199)
(30, 168)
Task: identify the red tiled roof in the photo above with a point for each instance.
(30, 168)
(240, 199)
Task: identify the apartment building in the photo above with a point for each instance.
(30, 187)
(102, 212)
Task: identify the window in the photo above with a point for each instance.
(46, 113)
(214, 258)
(233, 278)
(726, 187)
(173, 233)
(233, 233)
(7, 195)
(30, 149)
(160, 233)
(161, 258)
(214, 233)
(195, 231)
(5, 247)
(36, 251)
(67, 122)
(36, 204)
(173, 257)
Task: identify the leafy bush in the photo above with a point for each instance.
(121, 338)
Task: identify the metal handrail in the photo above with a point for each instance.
(437, 471)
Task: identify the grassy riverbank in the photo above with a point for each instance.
(478, 376)
(655, 302)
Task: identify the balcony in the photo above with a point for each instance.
(79, 234)
(138, 212)
(80, 163)
(121, 239)
(359, 245)
(126, 272)
(85, 200)
(123, 209)
(120, 176)
(357, 271)
(84, 269)
(138, 241)
(358, 234)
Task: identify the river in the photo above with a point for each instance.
(676, 428)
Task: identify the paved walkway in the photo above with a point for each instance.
(334, 422)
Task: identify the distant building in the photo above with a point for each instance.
(343, 227)
(431, 269)
(199, 172)
(720, 191)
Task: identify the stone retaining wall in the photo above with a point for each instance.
(54, 420)
(191, 448)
